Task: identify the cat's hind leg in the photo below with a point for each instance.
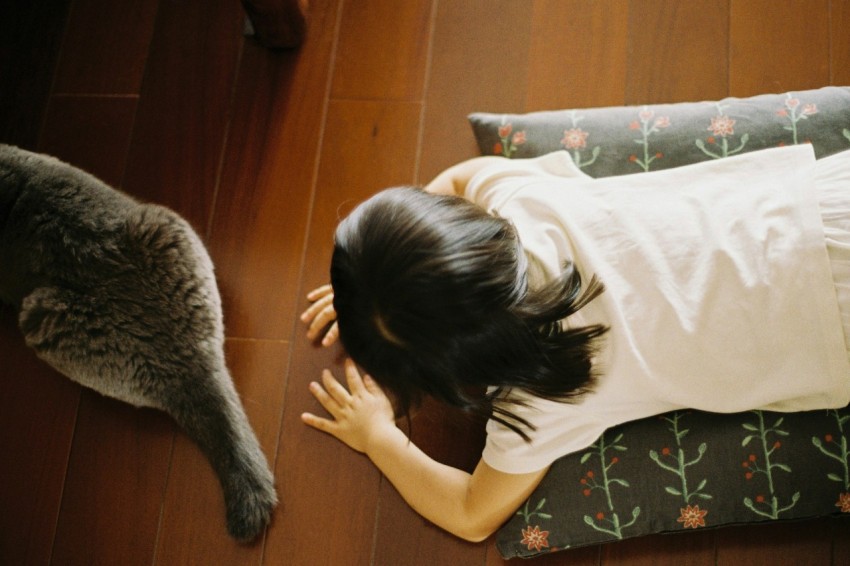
(69, 331)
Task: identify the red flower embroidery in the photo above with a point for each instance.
(505, 131)
(692, 517)
(519, 138)
(574, 139)
(844, 502)
(534, 538)
(634, 125)
(662, 122)
(645, 115)
(810, 109)
(497, 149)
(792, 103)
(722, 126)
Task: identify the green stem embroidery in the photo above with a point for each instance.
(680, 462)
(537, 512)
(761, 431)
(841, 454)
(610, 522)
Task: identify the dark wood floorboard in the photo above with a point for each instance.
(106, 47)
(115, 484)
(258, 231)
(494, 38)
(839, 15)
(30, 38)
(395, 69)
(778, 46)
(185, 104)
(39, 409)
(91, 132)
(805, 543)
(263, 151)
(674, 62)
(566, 68)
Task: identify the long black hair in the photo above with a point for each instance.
(432, 298)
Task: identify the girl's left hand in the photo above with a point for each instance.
(360, 413)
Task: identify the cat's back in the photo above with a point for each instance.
(54, 193)
(57, 222)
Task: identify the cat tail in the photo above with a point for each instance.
(212, 416)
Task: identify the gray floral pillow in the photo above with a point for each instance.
(631, 139)
(683, 470)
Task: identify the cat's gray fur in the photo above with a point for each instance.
(121, 297)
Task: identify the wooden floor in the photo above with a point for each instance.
(263, 151)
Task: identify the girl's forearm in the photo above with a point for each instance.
(436, 491)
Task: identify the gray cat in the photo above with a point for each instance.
(120, 297)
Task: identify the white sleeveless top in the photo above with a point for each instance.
(718, 290)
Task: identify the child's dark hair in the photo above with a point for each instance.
(432, 298)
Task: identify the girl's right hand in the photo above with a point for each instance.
(320, 314)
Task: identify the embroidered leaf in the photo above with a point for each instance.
(702, 484)
(834, 477)
(747, 440)
(782, 467)
(586, 457)
(749, 427)
(672, 491)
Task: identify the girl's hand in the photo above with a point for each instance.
(360, 414)
(320, 314)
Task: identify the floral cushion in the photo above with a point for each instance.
(687, 469)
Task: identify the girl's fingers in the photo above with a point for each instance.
(336, 391)
(352, 376)
(319, 292)
(325, 400)
(370, 385)
(320, 304)
(325, 317)
(324, 425)
(332, 335)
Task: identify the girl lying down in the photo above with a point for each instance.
(575, 304)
